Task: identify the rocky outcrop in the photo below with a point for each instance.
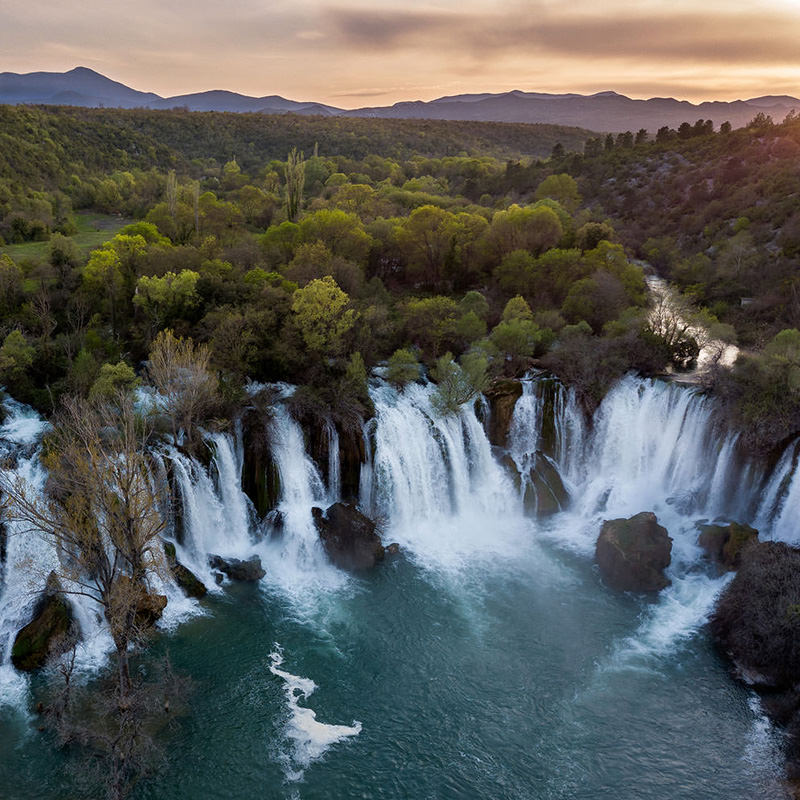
(724, 544)
(544, 493)
(238, 569)
(51, 632)
(261, 480)
(352, 454)
(632, 554)
(756, 624)
(349, 537)
(191, 585)
(502, 396)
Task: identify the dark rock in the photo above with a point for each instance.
(237, 569)
(502, 396)
(633, 553)
(756, 624)
(52, 630)
(349, 537)
(218, 578)
(544, 493)
(192, 586)
(757, 618)
(352, 454)
(724, 544)
(260, 475)
(392, 549)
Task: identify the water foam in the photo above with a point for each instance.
(309, 738)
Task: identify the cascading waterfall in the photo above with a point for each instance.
(294, 556)
(334, 467)
(652, 446)
(216, 516)
(435, 481)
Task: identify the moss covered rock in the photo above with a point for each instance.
(724, 544)
(502, 396)
(191, 585)
(633, 553)
(50, 633)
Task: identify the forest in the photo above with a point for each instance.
(194, 265)
(310, 250)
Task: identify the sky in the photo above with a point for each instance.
(354, 53)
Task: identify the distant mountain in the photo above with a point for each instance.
(78, 87)
(85, 87)
(604, 111)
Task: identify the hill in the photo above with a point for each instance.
(604, 111)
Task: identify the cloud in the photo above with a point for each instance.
(414, 49)
(710, 37)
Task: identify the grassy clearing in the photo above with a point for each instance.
(93, 230)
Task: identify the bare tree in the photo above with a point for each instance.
(179, 371)
(100, 511)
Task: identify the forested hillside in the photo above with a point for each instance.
(445, 245)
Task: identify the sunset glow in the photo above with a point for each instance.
(351, 53)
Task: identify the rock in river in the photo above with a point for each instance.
(349, 537)
(238, 570)
(633, 553)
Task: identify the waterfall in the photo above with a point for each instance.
(216, 516)
(294, 556)
(334, 468)
(435, 483)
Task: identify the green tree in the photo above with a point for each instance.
(167, 297)
(113, 380)
(457, 384)
(342, 233)
(427, 239)
(533, 229)
(322, 314)
(403, 367)
(295, 180)
(16, 356)
(562, 188)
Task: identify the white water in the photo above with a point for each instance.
(309, 737)
(294, 558)
(436, 484)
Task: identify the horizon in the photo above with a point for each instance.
(284, 95)
(380, 54)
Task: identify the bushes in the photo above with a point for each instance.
(757, 619)
(762, 392)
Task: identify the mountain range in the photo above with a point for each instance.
(604, 111)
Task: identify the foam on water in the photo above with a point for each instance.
(682, 609)
(308, 737)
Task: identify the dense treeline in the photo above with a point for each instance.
(398, 248)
